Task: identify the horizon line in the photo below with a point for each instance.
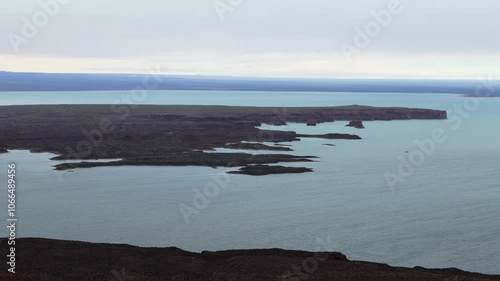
(422, 78)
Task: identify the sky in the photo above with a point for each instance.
(435, 39)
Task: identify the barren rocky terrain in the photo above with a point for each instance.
(55, 260)
(174, 135)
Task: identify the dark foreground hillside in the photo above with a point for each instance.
(53, 260)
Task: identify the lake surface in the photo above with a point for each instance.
(446, 214)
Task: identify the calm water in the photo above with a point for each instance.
(447, 214)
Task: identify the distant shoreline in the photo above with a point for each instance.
(12, 82)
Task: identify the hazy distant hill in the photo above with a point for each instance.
(10, 81)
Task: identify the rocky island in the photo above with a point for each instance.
(261, 170)
(174, 134)
(332, 136)
(356, 124)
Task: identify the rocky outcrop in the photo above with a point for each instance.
(331, 136)
(3, 150)
(356, 124)
(261, 170)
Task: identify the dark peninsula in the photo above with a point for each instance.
(173, 134)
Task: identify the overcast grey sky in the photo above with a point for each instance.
(296, 38)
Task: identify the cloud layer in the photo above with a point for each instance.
(442, 39)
